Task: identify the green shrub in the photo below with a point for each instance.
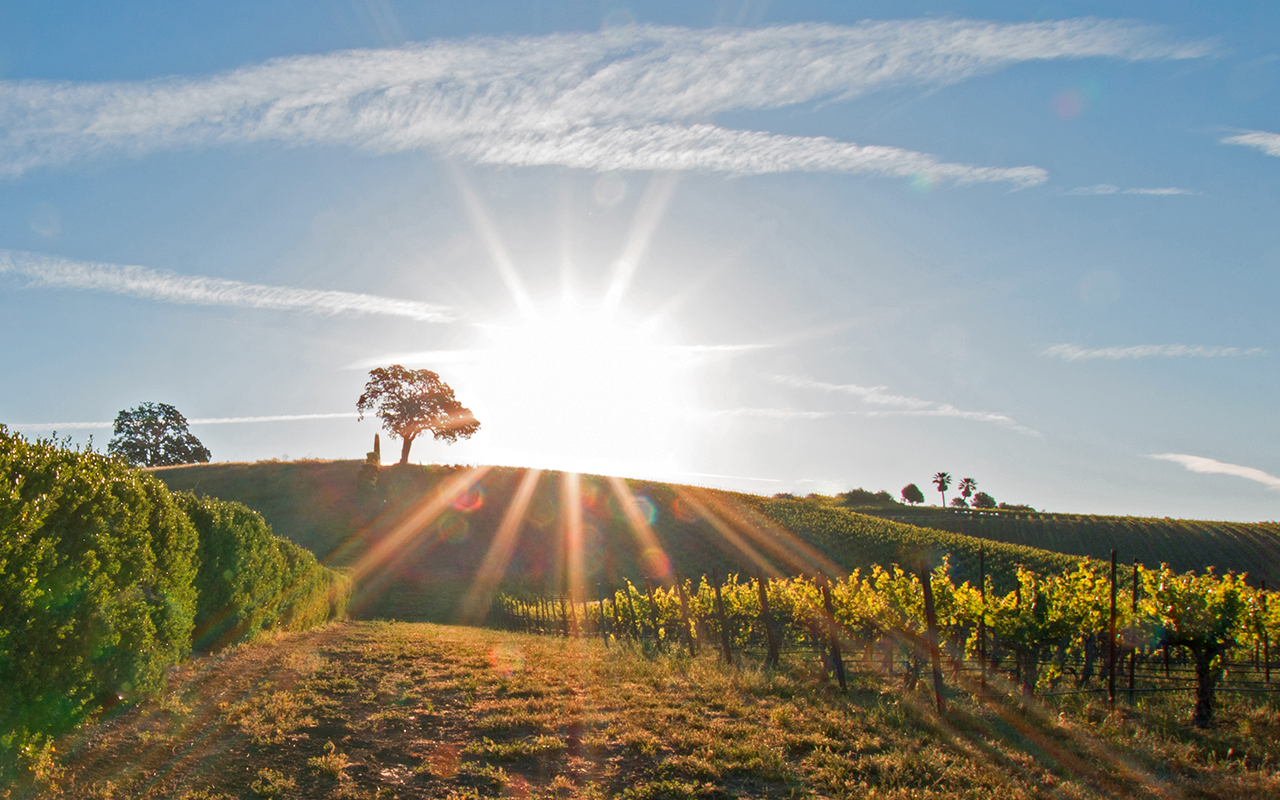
(96, 585)
(250, 580)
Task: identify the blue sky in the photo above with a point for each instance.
(765, 246)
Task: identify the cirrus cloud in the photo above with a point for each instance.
(1211, 466)
(639, 100)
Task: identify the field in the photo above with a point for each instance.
(399, 710)
(1184, 544)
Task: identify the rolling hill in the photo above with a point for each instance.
(417, 541)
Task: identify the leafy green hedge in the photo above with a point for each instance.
(105, 575)
(97, 595)
(250, 580)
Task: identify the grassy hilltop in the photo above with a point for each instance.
(318, 505)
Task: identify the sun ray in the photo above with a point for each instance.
(649, 213)
(571, 519)
(496, 560)
(652, 555)
(728, 533)
(483, 224)
(784, 545)
(370, 573)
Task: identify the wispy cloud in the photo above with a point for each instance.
(73, 426)
(1074, 352)
(1212, 466)
(38, 270)
(1265, 141)
(772, 413)
(639, 100)
(902, 405)
(687, 353)
(1106, 188)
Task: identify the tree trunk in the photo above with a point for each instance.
(1206, 682)
(404, 449)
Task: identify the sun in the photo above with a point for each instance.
(582, 388)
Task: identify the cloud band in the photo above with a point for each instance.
(58, 273)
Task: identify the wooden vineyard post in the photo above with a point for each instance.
(767, 619)
(1133, 621)
(931, 618)
(653, 614)
(832, 637)
(684, 617)
(613, 596)
(982, 620)
(1111, 640)
(564, 618)
(604, 630)
(724, 622)
(1266, 638)
(635, 618)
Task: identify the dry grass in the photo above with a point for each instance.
(387, 710)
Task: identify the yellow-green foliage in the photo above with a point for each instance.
(250, 580)
(104, 576)
(96, 584)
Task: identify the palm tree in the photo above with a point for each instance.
(942, 480)
(967, 487)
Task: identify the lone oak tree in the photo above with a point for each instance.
(155, 435)
(412, 401)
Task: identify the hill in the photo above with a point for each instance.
(417, 540)
(1184, 544)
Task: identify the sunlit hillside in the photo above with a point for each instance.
(425, 537)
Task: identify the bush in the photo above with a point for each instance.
(250, 580)
(105, 576)
(97, 595)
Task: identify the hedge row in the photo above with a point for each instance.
(105, 576)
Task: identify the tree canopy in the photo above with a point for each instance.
(411, 402)
(155, 435)
(912, 494)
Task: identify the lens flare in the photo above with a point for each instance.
(506, 659)
(472, 500)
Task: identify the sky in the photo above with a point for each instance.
(765, 246)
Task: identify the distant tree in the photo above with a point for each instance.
(1015, 507)
(967, 487)
(862, 497)
(413, 401)
(959, 502)
(912, 494)
(155, 435)
(942, 481)
(983, 500)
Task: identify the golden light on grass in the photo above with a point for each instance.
(498, 557)
(656, 561)
(374, 570)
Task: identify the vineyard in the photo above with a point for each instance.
(1183, 544)
(1092, 629)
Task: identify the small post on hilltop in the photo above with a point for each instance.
(833, 637)
(725, 640)
(767, 619)
(1111, 640)
(982, 619)
(931, 619)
